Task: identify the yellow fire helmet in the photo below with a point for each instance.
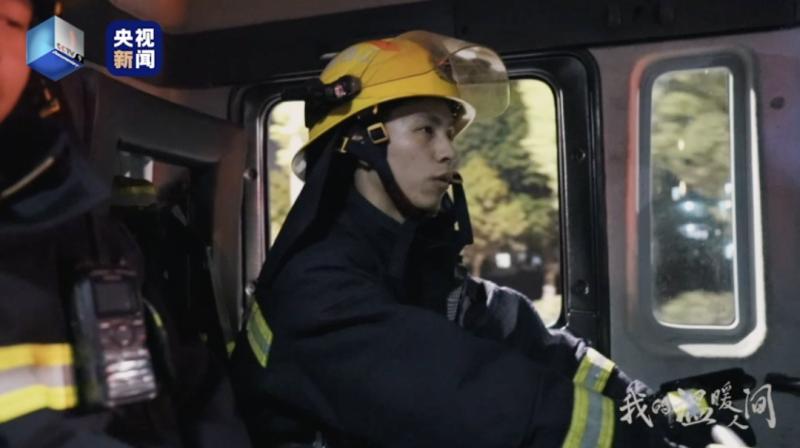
(414, 64)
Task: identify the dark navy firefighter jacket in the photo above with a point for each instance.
(366, 336)
(43, 237)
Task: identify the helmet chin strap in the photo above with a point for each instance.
(369, 144)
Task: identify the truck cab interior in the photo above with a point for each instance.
(657, 213)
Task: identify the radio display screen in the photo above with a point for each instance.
(114, 297)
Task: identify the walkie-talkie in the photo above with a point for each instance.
(114, 365)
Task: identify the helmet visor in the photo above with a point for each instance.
(477, 72)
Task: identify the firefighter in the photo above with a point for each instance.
(366, 329)
(85, 360)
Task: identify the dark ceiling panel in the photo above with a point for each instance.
(255, 53)
(523, 25)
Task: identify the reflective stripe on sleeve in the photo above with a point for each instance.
(592, 422)
(259, 335)
(593, 371)
(35, 377)
(35, 354)
(688, 405)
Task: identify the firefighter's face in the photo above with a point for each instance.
(15, 18)
(421, 153)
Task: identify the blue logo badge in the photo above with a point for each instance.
(55, 48)
(134, 48)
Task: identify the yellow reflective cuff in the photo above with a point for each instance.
(33, 398)
(688, 404)
(592, 424)
(583, 371)
(14, 356)
(593, 371)
(34, 377)
(259, 335)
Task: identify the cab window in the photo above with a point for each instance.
(692, 196)
(698, 187)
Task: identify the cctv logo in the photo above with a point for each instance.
(55, 48)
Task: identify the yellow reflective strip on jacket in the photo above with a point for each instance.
(23, 355)
(593, 371)
(580, 413)
(34, 377)
(592, 424)
(259, 335)
(607, 430)
(33, 398)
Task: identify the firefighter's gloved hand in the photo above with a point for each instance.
(684, 418)
(696, 410)
(675, 419)
(681, 417)
(486, 308)
(724, 437)
(721, 437)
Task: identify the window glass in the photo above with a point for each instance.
(693, 248)
(510, 171)
(286, 134)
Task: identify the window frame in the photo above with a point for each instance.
(575, 80)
